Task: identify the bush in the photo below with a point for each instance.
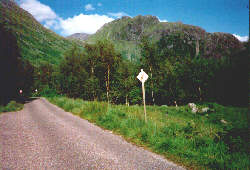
(11, 107)
(47, 92)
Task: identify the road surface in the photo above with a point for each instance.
(43, 136)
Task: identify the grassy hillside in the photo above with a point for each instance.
(217, 139)
(127, 33)
(35, 41)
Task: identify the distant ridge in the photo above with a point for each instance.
(79, 36)
(127, 33)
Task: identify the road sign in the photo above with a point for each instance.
(142, 76)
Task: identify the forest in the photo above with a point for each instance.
(178, 74)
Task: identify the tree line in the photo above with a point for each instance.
(178, 73)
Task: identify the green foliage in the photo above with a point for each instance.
(15, 74)
(87, 74)
(46, 92)
(99, 73)
(195, 140)
(72, 73)
(12, 106)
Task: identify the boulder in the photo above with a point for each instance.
(194, 110)
(205, 109)
(191, 105)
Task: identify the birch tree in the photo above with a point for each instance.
(109, 58)
(148, 52)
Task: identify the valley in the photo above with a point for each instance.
(92, 77)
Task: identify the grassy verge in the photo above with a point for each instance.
(214, 140)
(11, 107)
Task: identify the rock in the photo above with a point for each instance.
(223, 121)
(205, 109)
(191, 105)
(194, 109)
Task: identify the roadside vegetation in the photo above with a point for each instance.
(12, 106)
(217, 139)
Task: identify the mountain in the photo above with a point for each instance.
(36, 42)
(79, 36)
(127, 33)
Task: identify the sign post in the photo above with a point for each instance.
(143, 77)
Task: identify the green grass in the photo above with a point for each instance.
(36, 43)
(197, 141)
(12, 106)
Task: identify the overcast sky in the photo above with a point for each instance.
(66, 17)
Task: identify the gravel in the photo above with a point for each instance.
(43, 136)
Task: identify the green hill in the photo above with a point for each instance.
(38, 43)
(127, 33)
(35, 41)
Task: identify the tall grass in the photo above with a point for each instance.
(194, 140)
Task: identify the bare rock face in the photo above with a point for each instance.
(79, 36)
(132, 30)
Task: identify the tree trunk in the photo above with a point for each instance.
(175, 104)
(200, 93)
(152, 85)
(93, 92)
(197, 50)
(107, 83)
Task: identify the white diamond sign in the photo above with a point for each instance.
(142, 76)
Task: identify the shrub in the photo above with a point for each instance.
(11, 106)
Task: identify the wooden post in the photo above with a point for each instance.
(144, 102)
(143, 77)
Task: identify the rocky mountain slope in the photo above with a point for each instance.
(38, 43)
(35, 41)
(79, 36)
(127, 33)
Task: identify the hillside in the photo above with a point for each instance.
(127, 33)
(38, 43)
(35, 41)
(79, 36)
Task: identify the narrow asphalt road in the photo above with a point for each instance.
(43, 136)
